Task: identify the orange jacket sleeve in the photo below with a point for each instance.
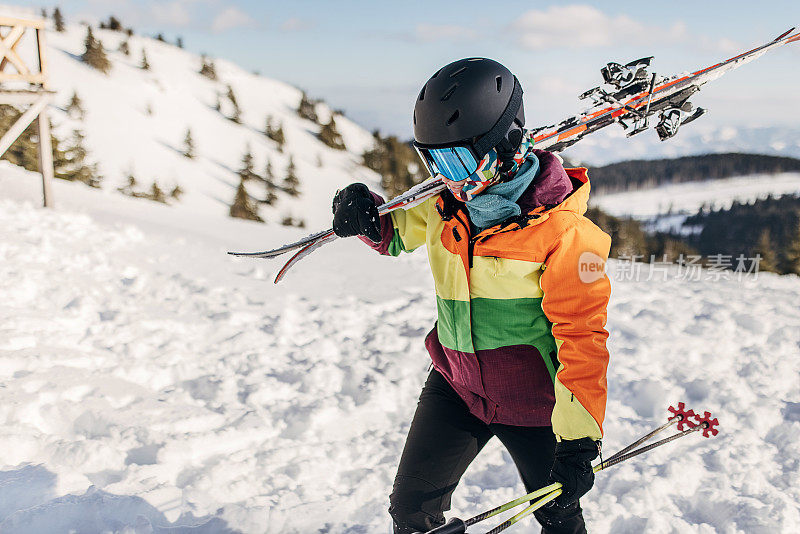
(576, 293)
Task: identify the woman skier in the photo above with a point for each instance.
(519, 347)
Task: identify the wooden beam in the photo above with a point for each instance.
(42, 48)
(22, 97)
(30, 78)
(31, 23)
(23, 122)
(46, 158)
(8, 53)
(11, 40)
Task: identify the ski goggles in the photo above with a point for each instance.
(456, 163)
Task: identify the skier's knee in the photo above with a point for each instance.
(415, 505)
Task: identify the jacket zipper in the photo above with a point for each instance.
(471, 249)
(470, 239)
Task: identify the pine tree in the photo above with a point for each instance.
(94, 55)
(288, 220)
(145, 65)
(765, 249)
(157, 194)
(76, 155)
(75, 107)
(77, 152)
(269, 185)
(236, 115)
(69, 163)
(160, 37)
(307, 109)
(58, 20)
(218, 104)
(279, 137)
(247, 171)
(179, 42)
(125, 48)
(243, 207)
(188, 144)
(130, 185)
(176, 192)
(396, 162)
(89, 43)
(112, 24)
(207, 68)
(329, 135)
(791, 263)
(276, 134)
(291, 183)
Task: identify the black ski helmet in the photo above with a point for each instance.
(473, 99)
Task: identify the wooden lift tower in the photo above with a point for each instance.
(23, 85)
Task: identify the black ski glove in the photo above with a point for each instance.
(573, 468)
(355, 213)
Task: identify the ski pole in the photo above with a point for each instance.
(705, 424)
(680, 415)
(618, 458)
(550, 492)
(526, 512)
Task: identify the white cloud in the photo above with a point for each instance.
(555, 86)
(231, 18)
(171, 13)
(148, 13)
(295, 24)
(583, 26)
(444, 32)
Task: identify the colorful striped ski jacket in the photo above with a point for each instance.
(521, 306)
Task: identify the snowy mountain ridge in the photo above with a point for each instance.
(136, 120)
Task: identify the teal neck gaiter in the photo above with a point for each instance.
(499, 202)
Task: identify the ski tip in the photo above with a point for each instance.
(784, 34)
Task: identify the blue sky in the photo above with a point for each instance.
(371, 58)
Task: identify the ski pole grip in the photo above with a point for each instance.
(454, 526)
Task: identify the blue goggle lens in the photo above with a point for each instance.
(456, 163)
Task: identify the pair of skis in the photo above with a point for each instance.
(417, 194)
(687, 422)
(632, 98)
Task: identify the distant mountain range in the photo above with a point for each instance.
(610, 145)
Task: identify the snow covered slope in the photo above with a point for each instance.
(148, 381)
(136, 121)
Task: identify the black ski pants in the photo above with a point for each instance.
(443, 440)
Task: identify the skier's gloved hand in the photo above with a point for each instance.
(573, 468)
(355, 213)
